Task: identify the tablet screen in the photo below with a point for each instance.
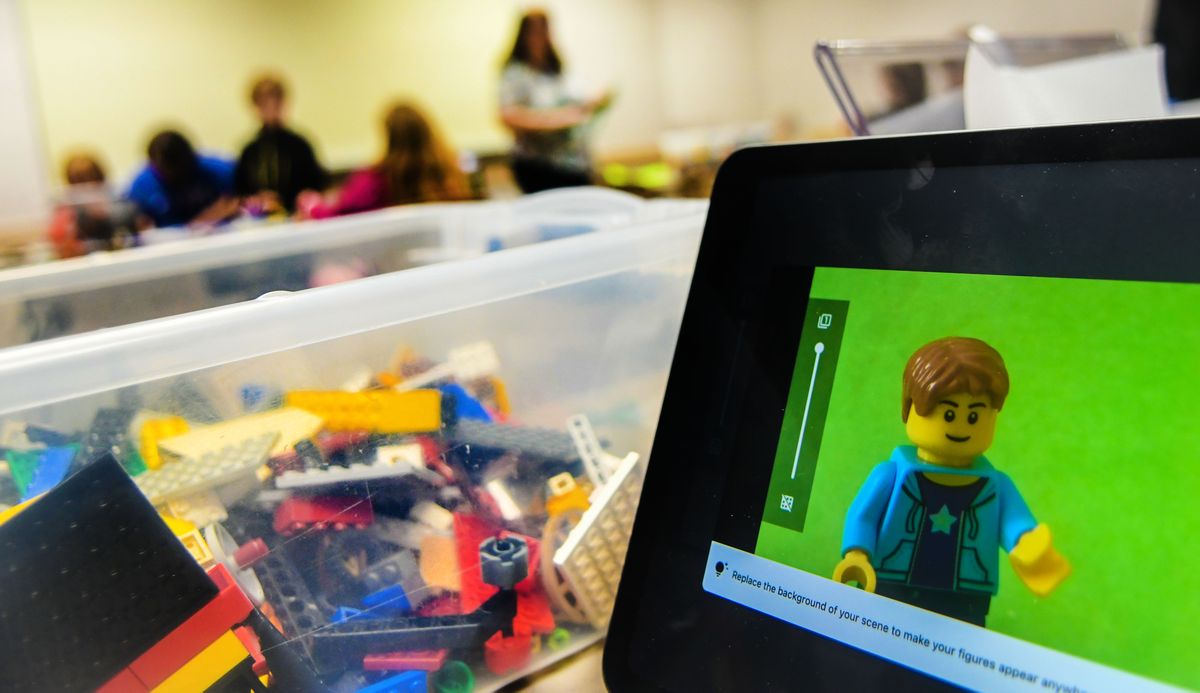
(1008, 463)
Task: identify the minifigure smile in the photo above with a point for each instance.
(957, 439)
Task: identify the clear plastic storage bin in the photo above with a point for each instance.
(423, 479)
(108, 289)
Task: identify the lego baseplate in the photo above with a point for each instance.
(288, 424)
(215, 467)
(592, 556)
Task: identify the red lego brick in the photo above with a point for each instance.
(124, 682)
(249, 640)
(327, 512)
(432, 452)
(216, 618)
(329, 443)
(416, 660)
(503, 655)
(534, 616)
(250, 553)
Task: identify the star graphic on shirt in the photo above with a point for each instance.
(942, 521)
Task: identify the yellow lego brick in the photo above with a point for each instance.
(378, 411)
(292, 424)
(191, 539)
(8, 513)
(206, 668)
(503, 405)
(155, 430)
(575, 499)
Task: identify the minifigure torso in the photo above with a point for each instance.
(933, 535)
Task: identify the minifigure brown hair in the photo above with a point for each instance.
(949, 365)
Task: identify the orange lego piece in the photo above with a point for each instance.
(503, 405)
(565, 494)
(155, 430)
(387, 379)
(378, 411)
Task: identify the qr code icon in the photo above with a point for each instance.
(785, 503)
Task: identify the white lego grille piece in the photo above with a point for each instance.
(468, 362)
(213, 468)
(593, 554)
(597, 463)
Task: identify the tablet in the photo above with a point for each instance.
(932, 421)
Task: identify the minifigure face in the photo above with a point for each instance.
(959, 429)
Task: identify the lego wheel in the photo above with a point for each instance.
(557, 528)
(225, 550)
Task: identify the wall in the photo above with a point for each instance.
(108, 74)
(708, 61)
(23, 178)
(111, 73)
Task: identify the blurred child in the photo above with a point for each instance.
(417, 167)
(179, 187)
(278, 164)
(89, 217)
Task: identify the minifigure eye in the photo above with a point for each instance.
(949, 415)
(972, 417)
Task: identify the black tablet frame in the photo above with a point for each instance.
(735, 354)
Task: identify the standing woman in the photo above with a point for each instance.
(548, 123)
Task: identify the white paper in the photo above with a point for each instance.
(1112, 86)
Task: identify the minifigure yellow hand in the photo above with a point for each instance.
(1037, 563)
(856, 567)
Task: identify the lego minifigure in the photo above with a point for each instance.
(926, 526)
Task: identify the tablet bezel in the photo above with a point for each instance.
(732, 291)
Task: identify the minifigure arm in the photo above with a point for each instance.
(861, 531)
(1029, 544)
(866, 512)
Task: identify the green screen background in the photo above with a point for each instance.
(1100, 433)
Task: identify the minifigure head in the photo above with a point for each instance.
(953, 389)
(268, 95)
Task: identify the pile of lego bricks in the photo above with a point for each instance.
(365, 522)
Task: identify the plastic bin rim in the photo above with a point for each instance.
(289, 238)
(80, 365)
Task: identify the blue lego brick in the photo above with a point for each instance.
(391, 600)
(465, 406)
(408, 682)
(53, 465)
(345, 613)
